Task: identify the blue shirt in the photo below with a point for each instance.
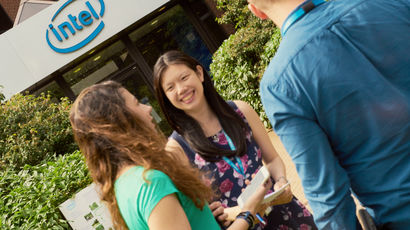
(338, 95)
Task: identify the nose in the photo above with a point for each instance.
(181, 89)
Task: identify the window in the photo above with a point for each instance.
(97, 67)
(171, 30)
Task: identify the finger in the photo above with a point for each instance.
(278, 185)
(262, 190)
(215, 205)
(218, 211)
(247, 182)
(267, 184)
(226, 223)
(222, 217)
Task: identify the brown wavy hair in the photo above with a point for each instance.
(111, 136)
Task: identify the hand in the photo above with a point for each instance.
(253, 204)
(218, 212)
(285, 197)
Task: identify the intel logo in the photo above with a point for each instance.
(71, 31)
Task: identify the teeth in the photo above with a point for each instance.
(187, 98)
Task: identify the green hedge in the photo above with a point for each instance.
(2, 97)
(239, 63)
(30, 197)
(235, 12)
(33, 129)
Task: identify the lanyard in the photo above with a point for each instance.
(300, 12)
(240, 170)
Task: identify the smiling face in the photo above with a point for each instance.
(143, 111)
(183, 86)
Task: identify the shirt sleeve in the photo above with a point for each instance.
(325, 182)
(159, 186)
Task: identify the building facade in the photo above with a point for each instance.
(73, 44)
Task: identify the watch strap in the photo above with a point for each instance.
(248, 217)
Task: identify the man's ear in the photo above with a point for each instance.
(255, 11)
(200, 72)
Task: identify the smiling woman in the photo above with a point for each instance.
(225, 139)
(183, 86)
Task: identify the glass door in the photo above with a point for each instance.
(170, 30)
(133, 81)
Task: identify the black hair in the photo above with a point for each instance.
(188, 127)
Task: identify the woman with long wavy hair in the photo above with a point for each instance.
(144, 185)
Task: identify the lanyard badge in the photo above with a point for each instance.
(239, 170)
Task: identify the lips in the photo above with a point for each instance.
(188, 97)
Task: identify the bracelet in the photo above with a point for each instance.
(248, 217)
(281, 178)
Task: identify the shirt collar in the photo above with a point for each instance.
(298, 13)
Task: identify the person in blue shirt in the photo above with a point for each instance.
(337, 93)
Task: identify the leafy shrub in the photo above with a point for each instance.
(234, 12)
(2, 97)
(33, 129)
(239, 63)
(30, 198)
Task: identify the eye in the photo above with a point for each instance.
(184, 77)
(169, 88)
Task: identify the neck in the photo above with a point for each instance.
(206, 118)
(279, 10)
(123, 169)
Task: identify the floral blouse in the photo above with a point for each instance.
(229, 182)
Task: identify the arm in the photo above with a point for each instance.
(174, 147)
(216, 207)
(326, 184)
(270, 157)
(168, 214)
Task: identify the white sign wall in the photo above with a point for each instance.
(59, 34)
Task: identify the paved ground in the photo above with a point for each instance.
(291, 173)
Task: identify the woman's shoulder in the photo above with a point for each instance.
(138, 174)
(178, 145)
(153, 175)
(243, 106)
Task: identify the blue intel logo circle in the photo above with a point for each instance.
(75, 24)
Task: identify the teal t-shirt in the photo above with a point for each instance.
(136, 199)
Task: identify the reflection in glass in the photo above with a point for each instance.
(134, 83)
(169, 31)
(98, 67)
(52, 89)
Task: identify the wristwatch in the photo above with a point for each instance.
(248, 217)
